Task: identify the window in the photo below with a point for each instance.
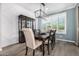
(57, 21)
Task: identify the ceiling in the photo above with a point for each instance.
(50, 7)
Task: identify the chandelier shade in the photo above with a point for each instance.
(41, 12)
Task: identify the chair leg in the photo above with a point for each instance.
(26, 50)
(52, 44)
(54, 40)
(43, 49)
(48, 48)
(33, 52)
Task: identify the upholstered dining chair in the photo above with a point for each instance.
(30, 40)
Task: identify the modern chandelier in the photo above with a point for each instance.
(40, 13)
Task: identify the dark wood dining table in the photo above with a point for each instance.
(43, 37)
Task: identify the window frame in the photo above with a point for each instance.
(65, 20)
(63, 32)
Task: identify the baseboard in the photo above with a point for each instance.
(66, 40)
(9, 41)
(9, 44)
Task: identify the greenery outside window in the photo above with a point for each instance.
(57, 21)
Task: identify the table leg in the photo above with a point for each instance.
(48, 48)
(43, 49)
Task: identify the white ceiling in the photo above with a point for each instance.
(50, 7)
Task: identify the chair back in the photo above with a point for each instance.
(29, 37)
(52, 34)
(37, 31)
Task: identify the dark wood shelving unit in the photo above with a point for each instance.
(24, 22)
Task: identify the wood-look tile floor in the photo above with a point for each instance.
(61, 49)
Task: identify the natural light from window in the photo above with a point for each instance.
(57, 21)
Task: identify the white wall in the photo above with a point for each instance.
(77, 25)
(9, 22)
(0, 26)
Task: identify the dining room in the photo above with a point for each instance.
(43, 29)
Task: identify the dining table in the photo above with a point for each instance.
(43, 37)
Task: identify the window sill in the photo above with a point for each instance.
(60, 32)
